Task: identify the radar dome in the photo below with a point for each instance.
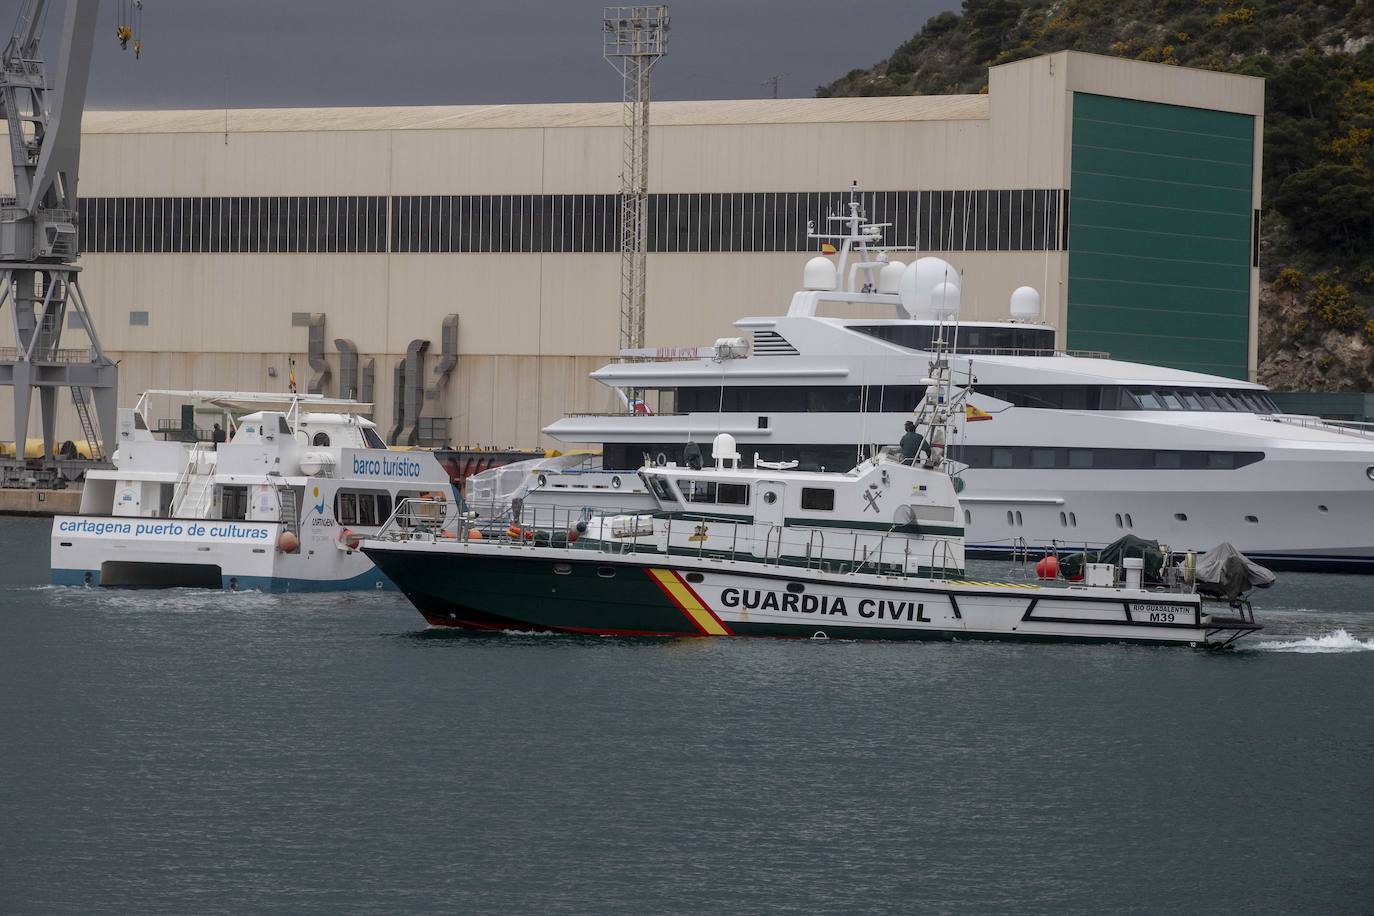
(1025, 304)
(890, 277)
(918, 281)
(819, 274)
(944, 300)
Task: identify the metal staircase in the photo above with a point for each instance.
(82, 403)
(194, 494)
(287, 510)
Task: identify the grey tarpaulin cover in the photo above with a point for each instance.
(1071, 566)
(1225, 572)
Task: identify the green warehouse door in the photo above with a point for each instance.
(1159, 234)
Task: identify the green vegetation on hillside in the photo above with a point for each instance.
(1317, 246)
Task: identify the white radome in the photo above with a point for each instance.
(1025, 304)
(918, 281)
(890, 277)
(944, 300)
(819, 274)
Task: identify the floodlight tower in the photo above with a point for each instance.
(633, 40)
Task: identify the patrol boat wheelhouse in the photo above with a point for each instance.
(280, 506)
(768, 551)
(1074, 447)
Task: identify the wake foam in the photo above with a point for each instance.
(1336, 641)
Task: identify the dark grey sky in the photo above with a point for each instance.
(414, 52)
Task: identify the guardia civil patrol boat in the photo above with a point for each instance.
(770, 550)
(280, 505)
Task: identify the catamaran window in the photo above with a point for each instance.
(362, 507)
(371, 438)
(1020, 456)
(233, 503)
(816, 498)
(283, 427)
(321, 439)
(733, 494)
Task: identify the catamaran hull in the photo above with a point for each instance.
(490, 587)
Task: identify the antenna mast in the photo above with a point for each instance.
(633, 40)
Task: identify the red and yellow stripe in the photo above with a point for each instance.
(681, 594)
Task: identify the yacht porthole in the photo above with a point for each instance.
(1180, 516)
(1252, 519)
(1010, 518)
(968, 517)
(1073, 519)
(1369, 472)
(1323, 509)
(1129, 523)
(1018, 517)
(543, 481)
(770, 497)
(1063, 520)
(1118, 519)
(615, 483)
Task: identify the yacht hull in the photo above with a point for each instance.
(479, 586)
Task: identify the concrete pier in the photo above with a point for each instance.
(40, 502)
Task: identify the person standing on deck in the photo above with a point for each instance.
(913, 443)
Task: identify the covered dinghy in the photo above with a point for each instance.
(1225, 572)
(1071, 567)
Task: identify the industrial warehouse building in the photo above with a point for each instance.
(482, 240)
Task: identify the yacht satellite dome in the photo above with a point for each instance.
(723, 450)
(890, 277)
(1025, 304)
(919, 279)
(819, 274)
(944, 300)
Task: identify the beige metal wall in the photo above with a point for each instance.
(532, 325)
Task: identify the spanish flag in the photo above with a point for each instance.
(972, 413)
(292, 377)
(827, 248)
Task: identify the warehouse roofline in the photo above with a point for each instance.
(582, 114)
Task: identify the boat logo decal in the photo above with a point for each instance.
(689, 602)
(698, 534)
(871, 497)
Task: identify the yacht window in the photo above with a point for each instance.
(371, 438)
(1252, 519)
(1168, 460)
(1129, 523)
(138, 422)
(1009, 518)
(283, 427)
(968, 518)
(1223, 460)
(1042, 457)
(1118, 520)
(1147, 399)
(1018, 516)
(816, 498)
(1063, 520)
(1073, 519)
(1180, 516)
(1190, 399)
(1210, 401)
(1171, 400)
(1002, 458)
(321, 439)
(733, 494)
(1080, 458)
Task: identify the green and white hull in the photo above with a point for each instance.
(503, 586)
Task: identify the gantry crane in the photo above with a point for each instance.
(39, 241)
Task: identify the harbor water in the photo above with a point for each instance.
(183, 751)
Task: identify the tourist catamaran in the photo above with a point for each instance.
(280, 505)
(1058, 447)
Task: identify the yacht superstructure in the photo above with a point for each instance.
(1056, 448)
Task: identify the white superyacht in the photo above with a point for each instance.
(1057, 448)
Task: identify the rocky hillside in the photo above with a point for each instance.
(1317, 247)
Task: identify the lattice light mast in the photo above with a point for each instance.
(633, 40)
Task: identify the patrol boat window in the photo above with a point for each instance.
(660, 488)
(708, 491)
(820, 499)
